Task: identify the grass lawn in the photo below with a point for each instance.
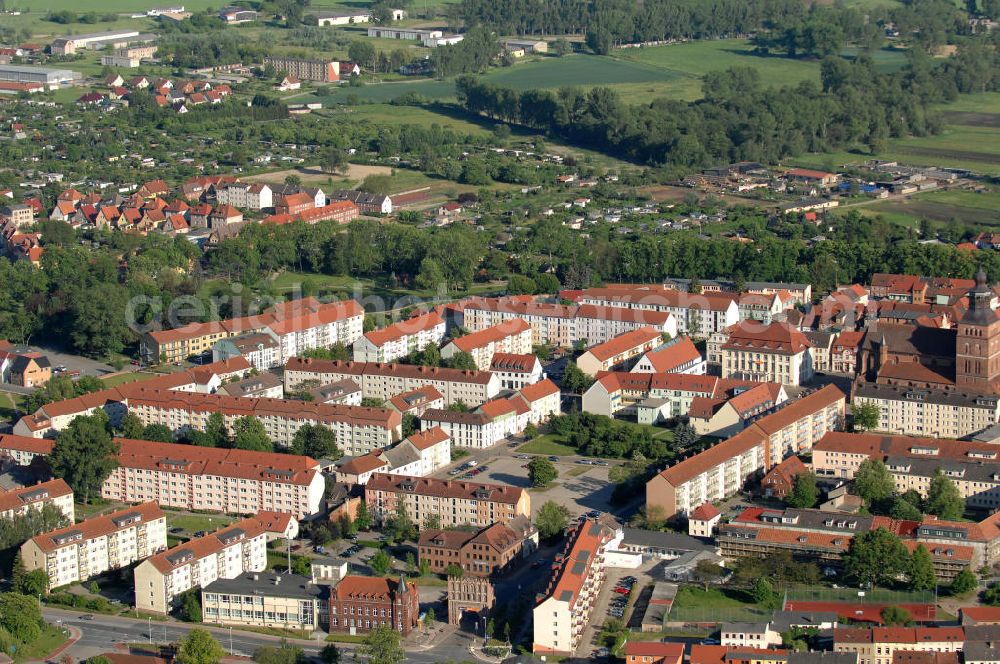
(195, 522)
(694, 604)
(10, 404)
(547, 444)
(87, 510)
(51, 638)
(387, 114)
(123, 378)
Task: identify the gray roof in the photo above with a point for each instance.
(972, 470)
(982, 633)
(920, 395)
(663, 540)
(267, 584)
(981, 651)
(745, 627)
(400, 455)
(335, 390)
(823, 657)
(251, 385)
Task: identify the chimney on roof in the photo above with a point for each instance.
(277, 579)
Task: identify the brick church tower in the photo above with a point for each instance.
(977, 345)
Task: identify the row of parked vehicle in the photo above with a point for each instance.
(616, 607)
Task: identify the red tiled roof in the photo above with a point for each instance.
(371, 588)
(406, 401)
(479, 339)
(673, 355)
(306, 364)
(672, 651)
(512, 362)
(404, 328)
(31, 494)
(428, 438)
(982, 614)
(99, 526)
(624, 342)
(581, 552)
(775, 338)
(200, 547)
(704, 512)
(427, 486)
(26, 443)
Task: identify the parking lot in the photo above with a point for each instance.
(582, 482)
(614, 604)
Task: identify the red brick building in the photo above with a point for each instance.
(778, 481)
(358, 604)
(491, 550)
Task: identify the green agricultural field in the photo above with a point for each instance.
(942, 207)
(386, 114)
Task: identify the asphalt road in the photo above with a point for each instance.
(103, 633)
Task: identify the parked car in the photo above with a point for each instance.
(553, 458)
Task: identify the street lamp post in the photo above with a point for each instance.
(149, 623)
(230, 639)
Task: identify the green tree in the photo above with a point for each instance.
(330, 654)
(455, 571)
(530, 432)
(922, 575)
(552, 519)
(316, 441)
(131, 426)
(877, 557)
(285, 653)
(431, 275)
(430, 616)
(873, 481)
(763, 592)
(866, 416)
(362, 52)
(896, 615)
(381, 563)
(190, 605)
(363, 519)
(804, 492)
(904, 510)
(944, 498)
(462, 360)
(84, 455)
(574, 380)
(215, 428)
(562, 47)
(21, 616)
(401, 526)
(541, 471)
(964, 582)
(200, 647)
(249, 434)
(35, 582)
(519, 284)
(991, 595)
(382, 646)
(411, 424)
(159, 433)
(334, 159)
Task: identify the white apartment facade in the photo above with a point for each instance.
(245, 195)
(513, 337)
(22, 450)
(97, 545)
(385, 381)
(697, 314)
(224, 554)
(777, 353)
(214, 479)
(400, 339)
(17, 503)
(915, 411)
(455, 503)
(618, 350)
(337, 322)
(516, 371)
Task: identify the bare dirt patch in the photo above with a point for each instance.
(972, 119)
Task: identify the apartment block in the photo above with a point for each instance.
(418, 455)
(264, 599)
(359, 604)
(400, 339)
(777, 353)
(22, 450)
(577, 576)
(920, 411)
(878, 645)
(485, 553)
(619, 350)
(697, 314)
(358, 430)
(214, 479)
(97, 545)
(385, 381)
(322, 71)
(245, 195)
(676, 356)
(516, 371)
(298, 325)
(224, 554)
(456, 503)
(16, 503)
(513, 336)
(494, 421)
(724, 469)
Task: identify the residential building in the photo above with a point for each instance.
(264, 599)
(215, 479)
(359, 430)
(697, 314)
(418, 455)
(778, 353)
(22, 450)
(653, 652)
(722, 470)
(266, 385)
(245, 195)
(367, 203)
(400, 339)
(262, 350)
(779, 481)
(515, 371)
(747, 634)
(491, 551)
(561, 617)
(358, 604)
(732, 410)
(877, 645)
(16, 503)
(513, 337)
(97, 545)
(30, 370)
(322, 71)
(676, 356)
(618, 351)
(916, 411)
(416, 402)
(224, 554)
(130, 56)
(703, 520)
(456, 503)
(385, 381)
(844, 352)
